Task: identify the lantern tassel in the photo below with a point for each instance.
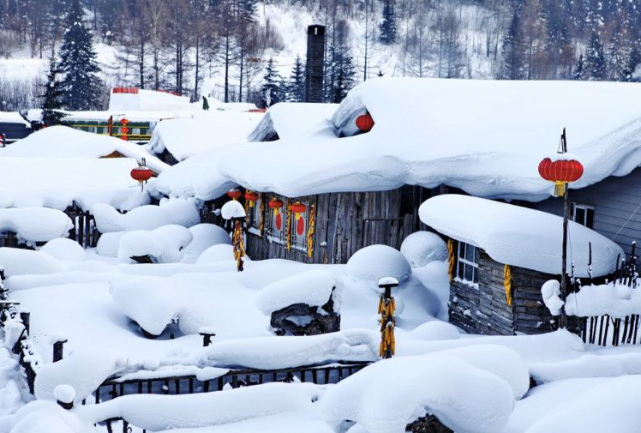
(559, 188)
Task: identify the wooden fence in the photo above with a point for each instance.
(84, 229)
(608, 331)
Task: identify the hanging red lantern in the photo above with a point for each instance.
(251, 197)
(234, 193)
(365, 122)
(275, 205)
(298, 208)
(124, 121)
(560, 172)
(141, 174)
(124, 130)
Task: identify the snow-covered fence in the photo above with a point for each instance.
(610, 331)
(190, 384)
(16, 334)
(84, 230)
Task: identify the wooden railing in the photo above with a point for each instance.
(84, 229)
(608, 331)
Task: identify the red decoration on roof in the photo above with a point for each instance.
(131, 90)
(365, 122)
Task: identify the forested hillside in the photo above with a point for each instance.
(240, 50)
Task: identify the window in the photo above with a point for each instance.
(583, 214)
(256, 216)
(299, 229)
(276, 223)
(467, 266)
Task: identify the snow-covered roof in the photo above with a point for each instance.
(147, 100)
(64, 142)
(58, 183)
(209, 130)
(12, 117)
(131, 115)
(291, 119)
(485, 137)
(519, 236)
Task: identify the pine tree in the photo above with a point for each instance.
(595, 66)
(633, 70)
(579, 69)
(296, 84)
(52, 104)
(512, 67)
(340, 68)
(388, 28)
(271, 92)
(205, 104)
(78, 62)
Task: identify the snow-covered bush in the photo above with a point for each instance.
(180, 212)
(313, 288)
(204, 236)
(421, 248)
(388, 395)
(64, 249)
(162, 245)
(17, 261)
(378, 261)
(216, 253)
(435, 330)
(35, 224)
(551, 292)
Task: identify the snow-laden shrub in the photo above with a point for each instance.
(180, 212)
(378, 261)
(436, 330)
(313, 288)
(551, 294)
(388, 395)
(421, 248)
(64, 249)
(204, 236)
(162, 245)
(215, 254)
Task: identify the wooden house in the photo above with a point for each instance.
(500, 257)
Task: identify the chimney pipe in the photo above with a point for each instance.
(314, 71)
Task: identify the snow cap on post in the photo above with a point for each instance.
(388, 281)
(233, 209)
(64, 395)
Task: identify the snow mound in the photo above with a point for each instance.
(233, 209)
(587, 366)
(83, 369)
(181, 212)
(268, 353)
(204, 236)
(17, 261)
(216, 253)
(43, 416)
(611, 406)
(388, 395)
(551, 292)
(378, 261)
(149, 301)
(435, 330)
(160, 412)
(614, 299)
(64, 393)
(162, 245)
(64, 249)
(421, 248)
(314, 288)
(518, 236)
(35, 224)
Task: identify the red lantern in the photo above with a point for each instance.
(124, 130)
(275, 205)
(141, 174)
(124, 121)
(251, 198)
(234, 193)
(365, 122)
(560, 172)
(298, 208)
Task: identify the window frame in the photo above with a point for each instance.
(587, 209)
(462, 263)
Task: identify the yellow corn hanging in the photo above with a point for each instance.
(289, 227)
(261, 221)
(239, 247)
(386, 308)
(507, 283)
(451, 259)
(311, 226)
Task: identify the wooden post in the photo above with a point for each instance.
(386, 307)
(26, 321)
(564, 255)
(58, 348)
(207, 334)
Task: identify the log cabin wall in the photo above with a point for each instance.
(484, 309)
(347, 222)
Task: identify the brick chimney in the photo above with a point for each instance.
(315, 63)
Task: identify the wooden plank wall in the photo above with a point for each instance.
(531, 315)
(347, 222)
